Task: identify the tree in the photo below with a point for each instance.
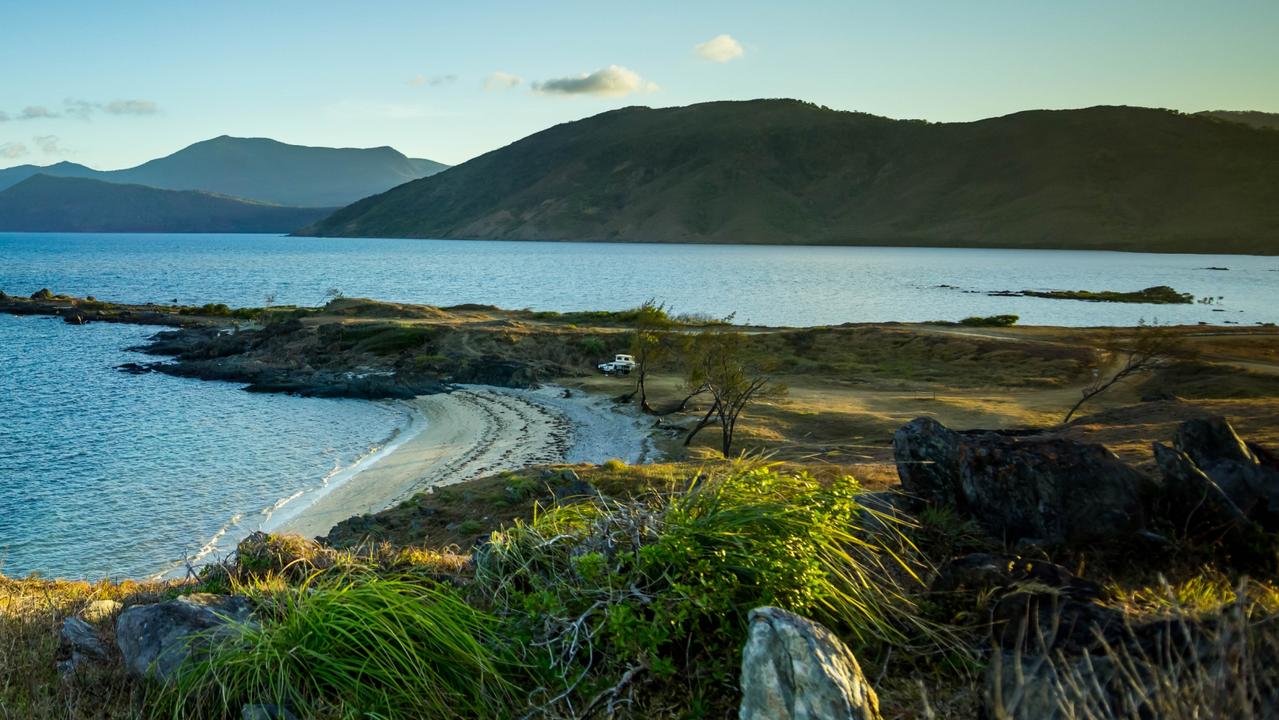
(650, 345)
(721, 367)
(1149, 347)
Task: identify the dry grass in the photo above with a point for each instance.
(31, 613)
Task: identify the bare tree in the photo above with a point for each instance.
(721, 367)
(1149, 347)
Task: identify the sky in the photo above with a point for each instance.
(111, 85)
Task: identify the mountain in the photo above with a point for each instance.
(260, 169)
(1247, 117)
(13, 175)
(43, 203)
(788, 172)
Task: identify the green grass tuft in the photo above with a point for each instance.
(359, 646)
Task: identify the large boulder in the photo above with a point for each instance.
(795, 669)
(1244, 473)
(1044, 490)
(927, 457)
(155, 639)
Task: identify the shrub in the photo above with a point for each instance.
(600, 590)
(990, 321)
(360, 646)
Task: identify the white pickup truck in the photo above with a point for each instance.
(619, 365)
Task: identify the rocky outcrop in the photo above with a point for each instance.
(1244, 475)
(78, 643)
(155, 639)
(795, 669)
(1042, 490)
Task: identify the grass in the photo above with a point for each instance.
(602, 593)
(990, 321)
(1215, 665)
(354, 646)
(31, 613)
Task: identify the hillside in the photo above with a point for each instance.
(260, 169)
(58, 204)
(1247, 117)
(787, 172)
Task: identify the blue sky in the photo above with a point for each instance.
(114, 84)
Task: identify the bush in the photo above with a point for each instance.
(990, 321)
(603, 590)
(355, 647)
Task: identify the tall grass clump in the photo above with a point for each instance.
(359, 646)
(1218, 665)
(607, 594)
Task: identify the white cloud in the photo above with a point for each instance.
(9, 151)
(502, 81)
(720, 49)
(613, 80)
(131, 107)
(4, 116)
(50, 144)
(36, 112)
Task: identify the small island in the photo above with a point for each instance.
(1157, 295)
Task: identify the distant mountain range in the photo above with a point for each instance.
(789, 172)
(259, 169)
(43, 203)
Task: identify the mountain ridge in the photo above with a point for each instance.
(259, 169)
(48, 203)
(788, 172)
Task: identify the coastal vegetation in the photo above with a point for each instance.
(1157, 295)
(624, 591)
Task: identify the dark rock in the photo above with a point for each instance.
(1050, 490)
(793, 669)
(78, 643)
(1045, 622)
(492, 370)
(981, 572)
(133, 368)
(42, 294)
(1216, 450)
(574, 490)
(155, 639)
(927, 457)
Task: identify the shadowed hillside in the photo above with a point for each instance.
(57, 204)
(788, 172)
(260, 169)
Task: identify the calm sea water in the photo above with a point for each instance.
(103, 473)
(764, 285)
(106, 473)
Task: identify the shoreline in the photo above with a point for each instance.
(469, 433)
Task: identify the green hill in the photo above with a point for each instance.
(788, 172)
(261, 169)
(59, 204)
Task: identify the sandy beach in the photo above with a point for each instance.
(472, 432)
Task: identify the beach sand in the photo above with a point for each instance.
(470, 433)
